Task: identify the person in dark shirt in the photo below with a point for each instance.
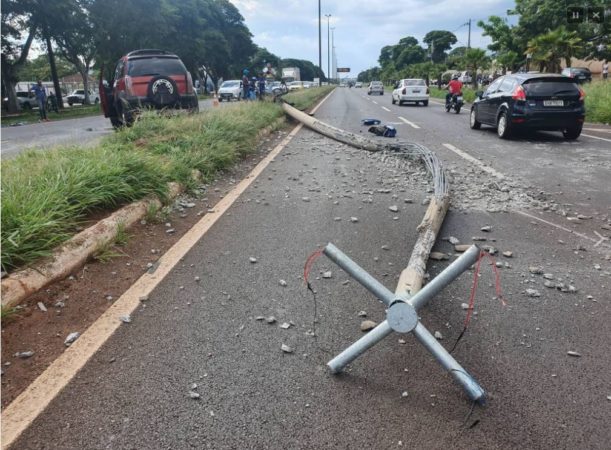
(245, 84)
(41, 98)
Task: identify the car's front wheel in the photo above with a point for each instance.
(473, 122)
(572, 133)
(502, 126)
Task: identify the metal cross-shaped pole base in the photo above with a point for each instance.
(402, 316)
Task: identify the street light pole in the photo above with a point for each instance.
(319, 39)
(328, 16)
(332, 53)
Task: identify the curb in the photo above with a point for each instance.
(75, 252)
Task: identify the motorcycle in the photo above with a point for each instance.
(455, 103)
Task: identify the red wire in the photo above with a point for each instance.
(309, 263)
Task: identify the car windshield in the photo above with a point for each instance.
(415, 83)
(79, 92)
(227, 84)
(549, 87)
(155, 66)
(376, 83)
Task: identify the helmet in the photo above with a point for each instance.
(245, 72)
(455, 76)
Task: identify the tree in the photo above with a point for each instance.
(439, 41)
(474, 59)
(307, 69)
(15, 19)
(38, 68)
(75, 37)
(507, 45)
(369, 75)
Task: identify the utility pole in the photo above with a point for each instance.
(332, 53)
(469, 38)
(328, 16)
(319, 39)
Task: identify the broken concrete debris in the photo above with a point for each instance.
(439, 256)
(286, 349)
(71, 338)
(367, 325)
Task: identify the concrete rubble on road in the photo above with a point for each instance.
(71, 338)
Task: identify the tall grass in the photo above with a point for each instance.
(47, 194)
(598, 101)
(305, 98)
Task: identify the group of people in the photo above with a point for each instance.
(252, 88)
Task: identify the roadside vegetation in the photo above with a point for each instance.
(305, 98)
(467, 92)
(598, 102)
(46, 195)
(32, 116)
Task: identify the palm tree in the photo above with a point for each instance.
(549, 48)
(474, 59)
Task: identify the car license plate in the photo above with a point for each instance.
(416, 91)
(553, 103)
(459, 99)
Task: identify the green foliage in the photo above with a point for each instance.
(369, 75)
(598, 101)
(439, 41)
(467, 92)
(39, 69)
(307, 69)
(47, 194)
(305, 98)
(547, 49)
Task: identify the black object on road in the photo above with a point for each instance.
(371, 122)
(383, 130)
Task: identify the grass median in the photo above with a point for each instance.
(46, 195)
(69, 112)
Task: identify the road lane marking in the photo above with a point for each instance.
(411, 124)
(568, 230)
(385, 108)
(600, 130)
(375, 102)
(20, 414)
(475, 161)
(596, 137)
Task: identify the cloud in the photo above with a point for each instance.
(289, 28)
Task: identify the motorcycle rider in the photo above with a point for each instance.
(454, 88)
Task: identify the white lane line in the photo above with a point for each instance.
(22, 411)
(596, 137)
(600, 130)
(475, 161)
(375, 102)
(411, 124)
(568, 230)
(385, 108)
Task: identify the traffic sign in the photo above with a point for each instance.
(343, 69)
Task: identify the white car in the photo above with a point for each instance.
(230, 90)
(295, 85)
(411, 90)
(78, 96)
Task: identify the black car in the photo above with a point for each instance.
(530, 101)
(580, 74)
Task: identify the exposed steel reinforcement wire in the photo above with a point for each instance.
(403, 149)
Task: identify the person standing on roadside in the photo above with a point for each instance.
(261, 85)
(245, 84)
(605, 69)
(41, 98)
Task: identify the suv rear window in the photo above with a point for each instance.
(155, 66)
(415, 83)
(549, 87)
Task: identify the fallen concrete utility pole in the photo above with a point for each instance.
(408, 298)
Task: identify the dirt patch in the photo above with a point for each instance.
(77, 301)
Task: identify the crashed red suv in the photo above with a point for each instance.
(146, 79)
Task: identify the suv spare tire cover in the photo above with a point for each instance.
(162, 91)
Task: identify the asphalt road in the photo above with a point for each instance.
(134, 392)
(81, 131)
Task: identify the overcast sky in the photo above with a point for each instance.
(289, 28)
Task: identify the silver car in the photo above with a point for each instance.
(375, 87)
